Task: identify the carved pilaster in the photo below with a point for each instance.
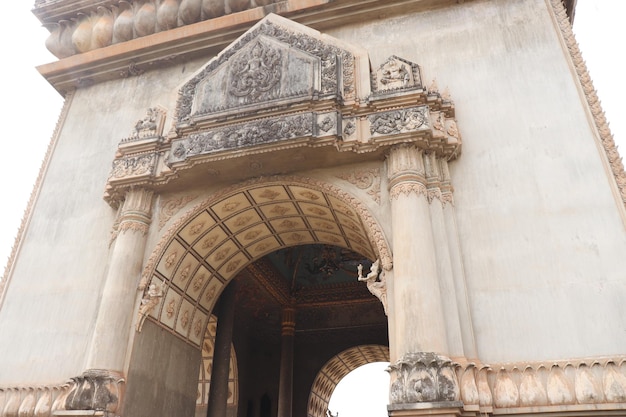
(423, 377)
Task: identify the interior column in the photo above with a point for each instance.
(285, 389)
(218, 390)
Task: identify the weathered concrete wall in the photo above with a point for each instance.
(164, 375)
(541, 234)
(540, 230)
(51, 304)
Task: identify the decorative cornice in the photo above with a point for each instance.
(4, 282)
(601, 124)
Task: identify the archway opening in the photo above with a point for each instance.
(364, 392)
(284, 245)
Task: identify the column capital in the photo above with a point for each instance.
(136, 211)
(288, 325)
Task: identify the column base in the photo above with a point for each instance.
(441, 409)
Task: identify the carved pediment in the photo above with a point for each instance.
(275, 64)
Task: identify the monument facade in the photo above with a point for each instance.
(244, 200)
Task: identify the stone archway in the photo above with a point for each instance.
(223, 234)
(219, 237)
(336, 369)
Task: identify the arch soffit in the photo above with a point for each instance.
(336, 369)
(218, 237)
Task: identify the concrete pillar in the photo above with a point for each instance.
(285, 389)
(423, 380)
(218, 390)
(113, 324)
(419, 320)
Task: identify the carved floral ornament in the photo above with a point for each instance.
(283, 86)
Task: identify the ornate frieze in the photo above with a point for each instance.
(244, 135)
(399, 121)
(423, 377)
(134, 166)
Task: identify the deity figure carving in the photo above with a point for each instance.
(147, 124)
(150, 300)
(395, 75)
(255, 74)
(376, 284)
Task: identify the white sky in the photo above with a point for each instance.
(31, 106)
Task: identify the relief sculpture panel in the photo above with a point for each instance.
(263, 71)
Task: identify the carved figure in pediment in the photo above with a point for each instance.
(256, 74)
(375, 284)
(395, 75)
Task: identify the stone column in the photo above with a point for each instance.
(115, 315)
(99, 387)
(218, 391)
(419, 320)
(422, 379)
(285, 389)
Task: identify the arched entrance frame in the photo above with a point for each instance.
(336, 369)
(218, 237)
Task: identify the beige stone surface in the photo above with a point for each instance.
(535, 239)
